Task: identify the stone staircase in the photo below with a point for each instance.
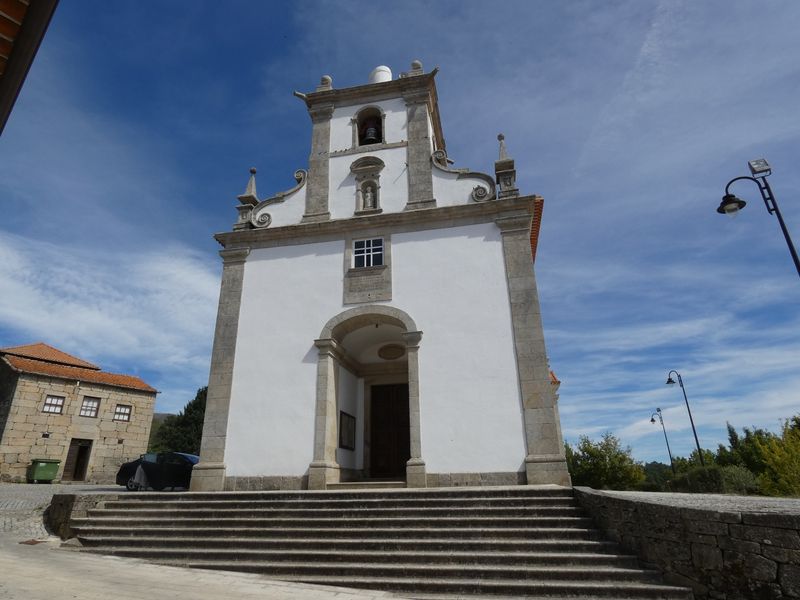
(518, 542)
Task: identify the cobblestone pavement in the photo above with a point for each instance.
(22, 505)
(718, 502)
(45, 570)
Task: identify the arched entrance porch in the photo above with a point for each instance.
(368, 363)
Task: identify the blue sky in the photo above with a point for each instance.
(138, 123)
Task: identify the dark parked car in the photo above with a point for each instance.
(158, 471)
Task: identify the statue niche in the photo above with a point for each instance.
(367, 172)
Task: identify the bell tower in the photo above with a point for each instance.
(395, 121)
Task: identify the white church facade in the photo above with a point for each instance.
(380, 320)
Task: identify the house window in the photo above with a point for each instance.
(53, 404)
(368, 253)
(90, 407)
(122, 412)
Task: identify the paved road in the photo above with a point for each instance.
(46, 570)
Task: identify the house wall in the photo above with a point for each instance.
(8, 383)
(113, 442)
(451, 281)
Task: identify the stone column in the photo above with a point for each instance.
(318, 183)
(420, 175)
(209, 473)
(545, 461)
(324, 468)
(415, 467)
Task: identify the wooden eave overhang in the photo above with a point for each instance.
(23, 24)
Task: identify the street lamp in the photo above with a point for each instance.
(671, 381)
(661, 419)
(731, 205)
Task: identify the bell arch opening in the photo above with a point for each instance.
(367, 406)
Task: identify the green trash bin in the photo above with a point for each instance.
(42, 469)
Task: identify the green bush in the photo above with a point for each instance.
(732, 479)
(604, 464)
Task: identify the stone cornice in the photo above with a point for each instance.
(522, 207)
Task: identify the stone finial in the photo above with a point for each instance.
(503, 151)
(325, 83)
(250, 195)
(416, 69)
(505, 172)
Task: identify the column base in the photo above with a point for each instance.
(415, 473)
(320, 474)
(316, 218)
(547, 469)
(417, 204)
(207, 477)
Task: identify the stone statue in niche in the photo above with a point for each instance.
(369, 198)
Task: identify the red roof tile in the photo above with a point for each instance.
(536, 224)
(40, 367)
(41, 351)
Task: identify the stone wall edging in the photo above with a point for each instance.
(721, 555)
(64, 507)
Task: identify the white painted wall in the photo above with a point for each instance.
(351, 401)
(395, 129)
(450, 281)
(393, 181)
(289, 294)
(449, 190)
(288, 212)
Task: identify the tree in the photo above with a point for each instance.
(781, 454)
(182, 432)
(657, 474)
(604, 464)
(746, 451)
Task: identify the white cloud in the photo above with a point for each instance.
(151, 312)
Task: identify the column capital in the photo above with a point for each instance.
(514, 223)
(412, 339)
(232, 256)
(321, 112)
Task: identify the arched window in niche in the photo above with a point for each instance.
(369, 126)
(367, 171)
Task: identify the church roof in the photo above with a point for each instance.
(41, 359)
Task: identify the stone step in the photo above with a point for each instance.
(544, 504)
(513, 542)
(333, 544)
(88, 527)
(324, 556)
(320, 514)
(144, 519)
(460, 587)
(366, 485)
(412, 493)
(422, 571)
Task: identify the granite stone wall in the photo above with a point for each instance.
(721, 554)
(113, 442)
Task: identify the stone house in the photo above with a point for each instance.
(320, 372)
(57, 406)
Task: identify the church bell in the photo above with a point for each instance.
(371, 135)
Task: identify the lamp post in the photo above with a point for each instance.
(671, 381)
(661, 419)
(731, 205)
